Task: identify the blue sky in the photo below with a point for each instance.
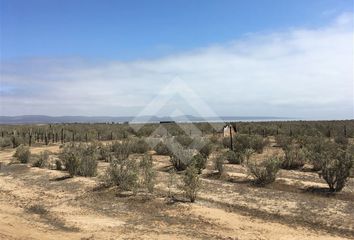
(114, 57)
(127, 30)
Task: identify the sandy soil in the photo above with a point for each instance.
(41, 204)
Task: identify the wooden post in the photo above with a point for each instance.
(345, 130)
(62, 135)
(73, 136)
(231, 144)
(46, 138)
(86, 138)
(30, 139)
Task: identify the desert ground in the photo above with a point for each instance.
(40, 203)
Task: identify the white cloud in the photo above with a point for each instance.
(296, 73)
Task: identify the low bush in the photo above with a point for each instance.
(16, 141)
(23, 154)
(319, 150)
(264, 173)
(181, 158)
(122, 150)
(162, 149)
(283, 141)
(242, 142)
(294, 157)
(336, 169)
(191, 183)
(148, 173)
(72, 163)
(257, 143)
(5, 142)
(219, 163)
(42, 159)
(124, 174)
(103, 152)
(199, 162)
(234, 157)
(88, 162)
(139, 146)
(341, 139)
(79, 159)
(184, 140)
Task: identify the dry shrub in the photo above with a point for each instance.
(294, 157)
(191, 183)
(283, 141)
(88, 162)
(162, 149)
(234, 157)
(181, 158)
(265, 172)
(79, 159)
(42, 159)
(23, 154)
(148, 174)
(219, 164)
(5, 142)
(139, 146)
(199, 162)
(124, 174)
(336, 169)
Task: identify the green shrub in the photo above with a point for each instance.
(199, 162)
(336, 169)
(191, 183)
(72, 163)
(104, 153)
(23, 154)
(265, 172)
(294, 158)
(185, 141)
(234, 157)
(319, 150)
(42, 160)
(124, 174)
(242, 142)
(88, 162)
(219, 163)
(148, 173)
(139, 146)
(341, 139)
(162, 149)
(283, 140)
(181, 158)
(79, 159)
(5, 142)
(122, 150)
(16, 141)
(206, 149)
(257, 143)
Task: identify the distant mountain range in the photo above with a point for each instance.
(37, 119)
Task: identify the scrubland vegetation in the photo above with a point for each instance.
(120, 158)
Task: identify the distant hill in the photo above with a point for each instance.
(37, 119)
